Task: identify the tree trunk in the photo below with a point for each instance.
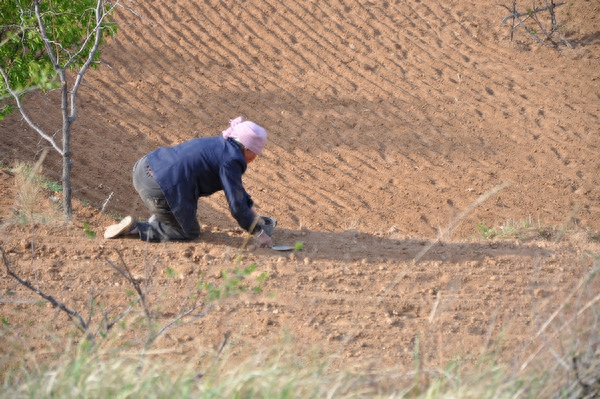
(66, 179)
(66, 139)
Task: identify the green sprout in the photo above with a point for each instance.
(88, 231)
(170, 272)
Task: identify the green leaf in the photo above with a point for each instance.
(70, 27)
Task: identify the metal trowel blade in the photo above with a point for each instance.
(282, 247)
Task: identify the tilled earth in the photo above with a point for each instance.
(400, 135)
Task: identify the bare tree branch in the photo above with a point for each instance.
(126, 273)
(187, 314)
(44, 34)
(517, 20)
(35, 127)
(515, 14)
(97, 31)
(91, 306)
(111, 324)
(73, 315)
(181, 316)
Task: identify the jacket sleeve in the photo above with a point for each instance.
(239, 201)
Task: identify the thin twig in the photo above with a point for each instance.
(111, 324)
(515, 14)
(517, 21)
(221, 347)
(17, 97)
(91, 306)
(73, 315)
(181, 316)
(106, 202)
(564, 303)
(126, 273)
(223, 343)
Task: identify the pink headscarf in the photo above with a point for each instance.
(252, 136)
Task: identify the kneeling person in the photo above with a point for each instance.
(170, 180)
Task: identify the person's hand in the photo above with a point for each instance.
(263, 240)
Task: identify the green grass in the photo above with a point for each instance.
(52, 185)
(88, 372)
(522, 230)
(88, 230)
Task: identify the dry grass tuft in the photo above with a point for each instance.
(34, 204)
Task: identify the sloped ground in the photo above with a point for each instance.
(386, 123)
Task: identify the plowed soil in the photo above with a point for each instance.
(401, 133)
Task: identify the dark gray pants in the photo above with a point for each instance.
(162, 225)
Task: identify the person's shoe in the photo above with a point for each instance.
(123, 227)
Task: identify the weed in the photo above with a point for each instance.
(522, 230)
(88, 231)
(52, 185)
(170, 272)
(262, 277)
(486, 232)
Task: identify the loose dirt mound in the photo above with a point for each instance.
(386, 123)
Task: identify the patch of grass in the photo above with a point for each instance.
(52, 185)
(486, 232)
(88, 230)
(278, 371)
(114, 215)
(351, 224)
(170, 272)
(522, 230)
(86, 372)
(32, 203)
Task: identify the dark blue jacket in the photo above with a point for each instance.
(198, 168)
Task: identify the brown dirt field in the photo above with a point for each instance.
(387, 121)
